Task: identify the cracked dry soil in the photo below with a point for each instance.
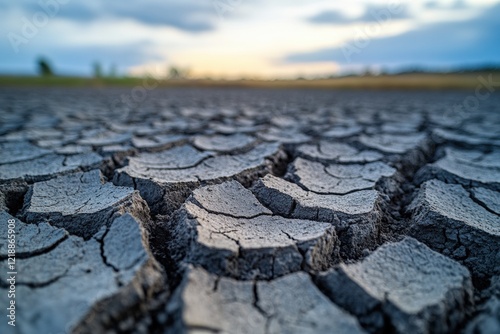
(249, 211)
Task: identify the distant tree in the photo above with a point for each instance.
(97, 70)
(112, 71)
(175, 72)
(367, 72)
(44, 68)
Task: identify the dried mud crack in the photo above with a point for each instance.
(210, 211)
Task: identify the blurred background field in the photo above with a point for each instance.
(423, 81)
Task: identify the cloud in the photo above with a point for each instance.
(330, 17)
(194, 17)
(431, 5)
(457, 4)
(439, 44)
(188, 15)
(372, 13)
(396, 12)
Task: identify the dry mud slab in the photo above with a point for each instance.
(249, 211)
(403, 286)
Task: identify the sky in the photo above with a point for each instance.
(247, 38)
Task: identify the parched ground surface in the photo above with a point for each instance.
(250, 211)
